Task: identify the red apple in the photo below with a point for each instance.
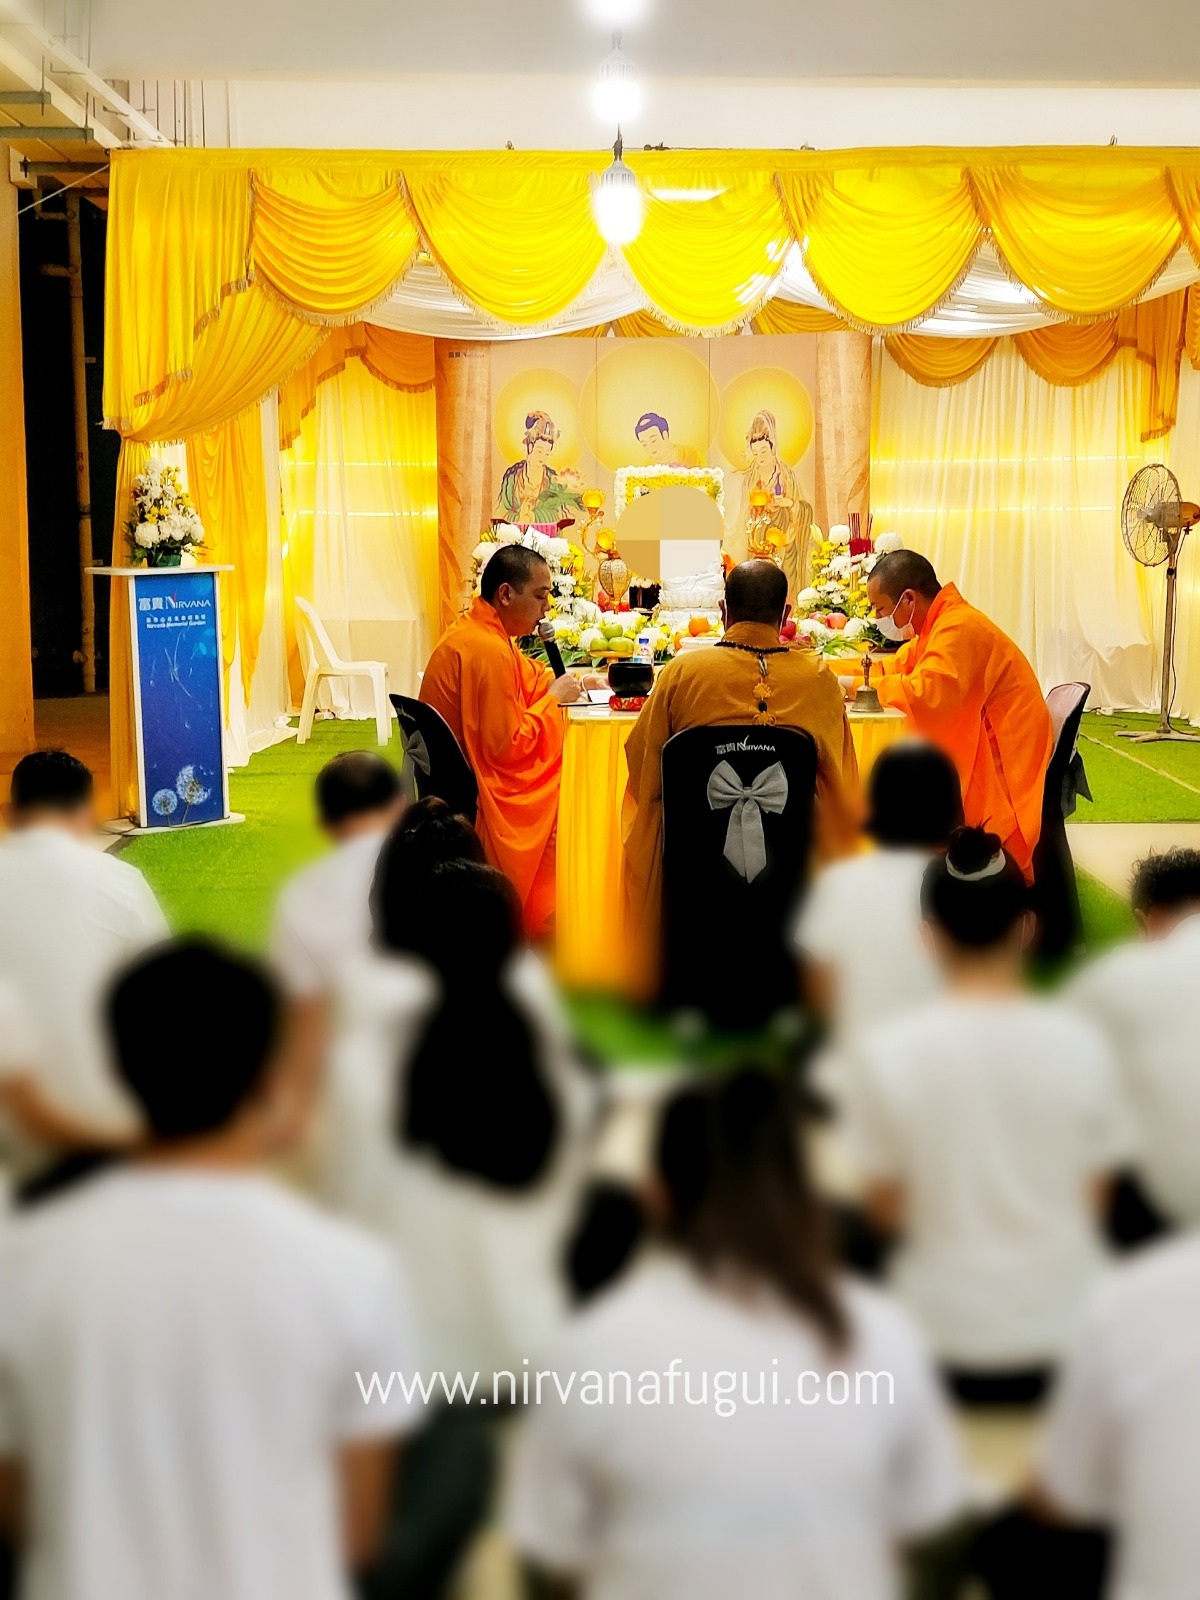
(788, 631)
(836, 620)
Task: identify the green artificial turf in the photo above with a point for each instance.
(1137, 782)
(223, 881)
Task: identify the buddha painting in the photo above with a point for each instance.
(787, 509)
(531, 491)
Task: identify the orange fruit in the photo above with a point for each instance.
(699, 625)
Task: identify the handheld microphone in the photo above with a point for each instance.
(553, 653)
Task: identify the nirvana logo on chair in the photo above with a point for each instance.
(746, 744)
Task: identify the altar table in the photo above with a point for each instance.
(591, 856)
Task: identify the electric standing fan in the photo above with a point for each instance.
(1154, 522)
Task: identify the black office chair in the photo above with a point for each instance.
(1055, 891)
(737, 837)
(433, 760)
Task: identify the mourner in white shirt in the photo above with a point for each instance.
(457, 1114)
(782, 1432)
(860, 935)
(990, 1125)
(181, 1340)
(1143, 995)
(323, 915)
(71, 917)
(1122, 1444)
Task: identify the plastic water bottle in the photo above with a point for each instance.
(644, 649)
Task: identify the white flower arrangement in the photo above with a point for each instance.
(839, 535)
(163, 529)
(887, 542)
(630, 482)
(569, 611)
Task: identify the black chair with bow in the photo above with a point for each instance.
(433, 761)
(737, 839)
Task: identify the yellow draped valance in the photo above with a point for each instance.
(1074, 353)
(886, 234)
(400, 360)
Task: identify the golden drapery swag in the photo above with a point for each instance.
(1067, 354)
(402, 361)
(886, 234)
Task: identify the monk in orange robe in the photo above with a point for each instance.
(966, 687)
(504, 711)
(706, 688)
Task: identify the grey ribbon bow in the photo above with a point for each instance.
(414, 749)
(745, 846)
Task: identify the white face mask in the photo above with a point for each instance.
(888, 628)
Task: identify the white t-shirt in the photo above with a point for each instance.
(862, 917)
(71, 918)
(1123, 1438)
(323, 917)
(484, 1264)
(1143, 995)
(178, 1352)
(995, 1115)
(673, 1501)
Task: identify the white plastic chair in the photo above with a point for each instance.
(326, 663)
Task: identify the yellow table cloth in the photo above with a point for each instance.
(591, 855)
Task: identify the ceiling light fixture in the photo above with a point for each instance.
(615, 13)
(617, 203)
(617, 96)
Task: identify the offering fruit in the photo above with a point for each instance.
(788, 632)
(592, 640)
(836, 620)
(621, 648)
(612, 630)
(698, 626)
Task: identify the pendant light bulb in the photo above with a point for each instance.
(617, 203)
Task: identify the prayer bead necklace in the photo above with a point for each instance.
(763, 716)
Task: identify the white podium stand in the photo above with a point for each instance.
(178, 693)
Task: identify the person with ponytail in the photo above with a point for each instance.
(458, 1113)
(989, 1123)
(749, 1458)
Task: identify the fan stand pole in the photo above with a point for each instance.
(1165, 731)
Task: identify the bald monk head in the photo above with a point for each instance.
(902, 587)
(516, 582)
(756, 591)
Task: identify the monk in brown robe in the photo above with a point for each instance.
(505, 712)
(705, 688)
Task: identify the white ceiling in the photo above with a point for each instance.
(992, 41)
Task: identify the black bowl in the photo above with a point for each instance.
(630, 678)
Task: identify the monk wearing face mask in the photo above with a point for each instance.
(965, 687)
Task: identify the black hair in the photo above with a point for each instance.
(50, 780)
(650, 419)
(899, 570)
(427, 835)
(188, 1080)
(354, 784)
(1166, 881)
(756, 591)
(914, 796)
(475, 1086)
(514, 564)
(730, 1159)
(975, 910)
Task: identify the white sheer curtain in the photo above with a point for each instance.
(1013, 487)
(1184, 461)
(360, 512)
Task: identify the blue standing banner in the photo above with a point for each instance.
(178, 696)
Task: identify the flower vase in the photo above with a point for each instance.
(164, 558)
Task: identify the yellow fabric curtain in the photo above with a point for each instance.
(939, 363)
(400, 360)
(884, 244)
(1088, 237)
(330, 241)
(1010, 485)
(360, 523)
(782, 316)
(1068, 354)
(122, 757)
(515, 237)
(729, 235)
(227, 483)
